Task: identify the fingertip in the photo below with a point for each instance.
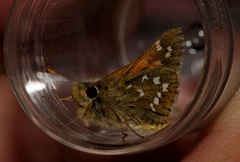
(220, 140)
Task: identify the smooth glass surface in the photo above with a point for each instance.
(84, 40)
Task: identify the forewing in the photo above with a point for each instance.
(166, 51)
(152, 82)
(153, 79)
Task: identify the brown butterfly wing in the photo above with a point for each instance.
(143, 92)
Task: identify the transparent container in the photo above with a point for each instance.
(84, 40)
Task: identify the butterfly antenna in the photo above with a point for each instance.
(51, 71)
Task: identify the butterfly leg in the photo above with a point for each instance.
(124, 121)
(124, 136)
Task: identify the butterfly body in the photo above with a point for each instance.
(139, 95)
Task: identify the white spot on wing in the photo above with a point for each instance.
(153, 109)
(158, 46)
(129, 86)
(157, 42)
(169, 49)
(145, 77)
(156, 101)
(141, 93)
(168, 55)
(159, 94)
(165, 87)
(156, 80)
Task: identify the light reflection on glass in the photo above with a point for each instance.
(33, 86)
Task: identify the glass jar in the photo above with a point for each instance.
(83, 40)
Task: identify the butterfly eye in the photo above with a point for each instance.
(92, 92)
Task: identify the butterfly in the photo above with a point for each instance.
(138, 96)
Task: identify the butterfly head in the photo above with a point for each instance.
(84, 94)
